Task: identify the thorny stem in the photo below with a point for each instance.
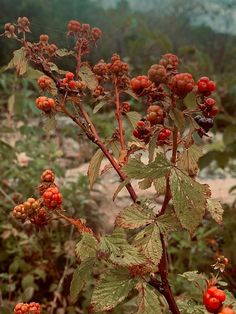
(119, 118)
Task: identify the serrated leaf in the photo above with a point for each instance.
(50, 123)
(189, 199)
(80, 276)
(94, 167)
(133, 217)
(115, 147)
(192, 276)
(133, 117)
(99, 106)
(120, 251)
(168, 223)
(148, 242)
(64, 52)
(188, 159)
(190, 307)
(112, 289)
(148, 300)
(28, 294)
(88, 77)
(145, 184)
(86, 247)
(160, 186)
(136, 169)
(178, 118)
(215, 209)
(120, 187)
(19, 61)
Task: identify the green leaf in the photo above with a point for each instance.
(145, 183)
(99, 106)
(148, 242)
(120, 187)
(189, 199)
(133, 117)
(19, 61)
(148, 300)
(88, 77)
(112, 289)
(86, 247)
(192, 276)
(189, 306)
(133, 217)
(215, 209)
(94, 167)
(188, 160)
(178, 118)
(136, 169)
(168, 223)
(120, 251)
(160, 186)
(80, 276)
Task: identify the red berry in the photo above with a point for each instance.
(48, 176)
(213, 304)
(25, 308)
(72, 84)
(73, 27)
(70, 75)
(44, 82)
(205, 86)
(227, 310)
(181, 84)
(52, 198)
(141, 124)
(135, 84)
(210, 102)
(44, 103)
(139, 83)
(212, 290)
(220, 295)
(164, 135)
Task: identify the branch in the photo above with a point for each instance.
(119, 118)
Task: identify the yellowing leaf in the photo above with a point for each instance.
(215, 209)
(19, 61)
(189, 158)
(189, 199)
(148, 300)
(133, 217)
(94, 167)
(133, 117)
(88, 77)
(86, 247)
(148, 241)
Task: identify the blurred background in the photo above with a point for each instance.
(203, 35)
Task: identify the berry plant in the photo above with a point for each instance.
(161, 147)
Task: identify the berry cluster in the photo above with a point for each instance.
(75, 28)
(101, 68)
(205, 123)
(45, 104)
(181, 84)
(69, 82)
(208, 107)
(27, 308)
(23, 24)
(142, 130)
(227, 310)
(43, 48)
(169, 61)
(125, 107)
(157, 73)
(163, 135)
(206, 86)
(44, 82)
(155, 114)
(213, 299)
(26, 210)
(140, 83)
(52, 198)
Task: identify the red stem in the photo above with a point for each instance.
(119, 118)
